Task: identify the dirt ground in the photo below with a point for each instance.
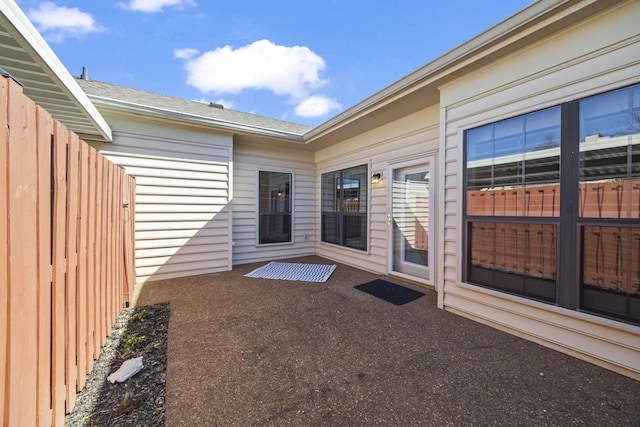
(139, 332)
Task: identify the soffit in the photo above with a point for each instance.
(27, 57)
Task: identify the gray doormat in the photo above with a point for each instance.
(390, 292)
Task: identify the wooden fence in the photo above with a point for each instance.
(66, 260)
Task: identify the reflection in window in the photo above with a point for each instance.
(275, 207)
(513, 166)
(610, 155)
(519, 240)
(515, 257)
(609, 191)
(344, 207)
(611, 270)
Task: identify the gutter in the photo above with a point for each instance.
(232, 127)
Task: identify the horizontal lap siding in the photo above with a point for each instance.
(249, 160)
(413, 137)
(183, 182)
(554, 71)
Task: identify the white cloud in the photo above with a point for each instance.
(286, 71)
(59, 22)
(316, 106)
(184, 53)
(153, 6)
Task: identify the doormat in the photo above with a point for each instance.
(390, 292)
(293, 271)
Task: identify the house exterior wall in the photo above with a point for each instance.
(183, 180)
(249, 160)
(412, 137)
(600, 53)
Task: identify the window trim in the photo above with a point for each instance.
(291, 201)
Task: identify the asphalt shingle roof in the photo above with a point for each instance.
(108, 91)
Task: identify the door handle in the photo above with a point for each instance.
(389, 219)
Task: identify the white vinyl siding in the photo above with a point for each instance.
(599, 54)
(412, 137)
(183, 217)
(249, 160)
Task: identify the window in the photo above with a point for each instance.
(275, 207)
(344, 207)
(565, 235)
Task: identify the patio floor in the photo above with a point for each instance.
(246, 351)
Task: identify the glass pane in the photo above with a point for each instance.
(275, 228)
(607, 115)
(521, 175)
(611, 270)
(330, 229)
(543, 130)
(355, 231)
(275, 192)
(483, 236)
(507, 174)
(331, 192)
(609, 154)
(515, 257)
(509, 137)
(354, 181)
(480, 143)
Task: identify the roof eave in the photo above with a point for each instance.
(221, 125)
(29, 39)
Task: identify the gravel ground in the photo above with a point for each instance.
(259, 352)
(140, 331)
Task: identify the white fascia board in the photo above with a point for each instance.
(28, 37)
(218, 124)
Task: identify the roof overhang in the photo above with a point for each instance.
(29, 59)
(240, 131)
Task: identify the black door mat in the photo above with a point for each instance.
(390, 292)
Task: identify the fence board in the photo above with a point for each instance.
(100, 241)
(91, 262)
(4, 255)
(59, 270)
(83, 208)
(66, 260)
(129, 231)
(23, 277)
(72, 262)
(45, 128)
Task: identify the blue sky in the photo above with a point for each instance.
(298, 60)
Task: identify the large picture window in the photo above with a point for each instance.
(274, 207)
(552, 205)
(344, 207)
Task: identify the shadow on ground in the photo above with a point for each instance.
(245, 351)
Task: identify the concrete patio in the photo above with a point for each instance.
(246, 351)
